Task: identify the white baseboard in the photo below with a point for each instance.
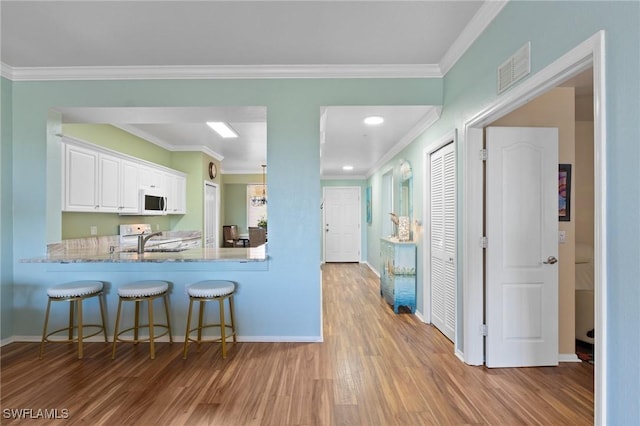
(568, 358)
(372, 269)
(6, 341)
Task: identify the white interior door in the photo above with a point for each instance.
(522, 232)
(341, 224)
(211, 215)
(443, 239)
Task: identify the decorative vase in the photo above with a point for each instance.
(403, 228)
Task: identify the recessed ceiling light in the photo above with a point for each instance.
(374, 120)
(347, 167)
(223, 129)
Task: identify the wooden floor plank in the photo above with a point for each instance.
(374, 367)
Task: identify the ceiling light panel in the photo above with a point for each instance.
(373, 120)
(223, 129)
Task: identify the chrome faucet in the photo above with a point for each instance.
(142, 240)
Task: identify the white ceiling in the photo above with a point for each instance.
(113, 39)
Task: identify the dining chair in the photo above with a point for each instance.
(257, 236)
(231, 236)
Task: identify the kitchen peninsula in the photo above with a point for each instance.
(160, 247)
(92, 255)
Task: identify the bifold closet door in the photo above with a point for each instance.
(443, 239)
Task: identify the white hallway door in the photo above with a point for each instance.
(443, 239)
(522, 248)
(341, 224)
(210, 215)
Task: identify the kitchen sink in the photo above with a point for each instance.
(157, 249)
(165, 249)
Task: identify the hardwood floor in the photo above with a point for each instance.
(374, 368)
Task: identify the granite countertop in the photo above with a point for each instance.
(92, 255)
(171, 246)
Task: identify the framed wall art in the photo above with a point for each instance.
(564, 192)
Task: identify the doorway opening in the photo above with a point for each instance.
(588, 54)
(211, 215)
(341, 217)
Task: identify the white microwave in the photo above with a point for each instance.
(153, 201)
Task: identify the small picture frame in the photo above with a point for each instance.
(564, 192)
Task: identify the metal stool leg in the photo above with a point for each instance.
(200, 322)
(152, 349)
(115, 332)
(102, 315)
(223, 329)
(166, 311)
(80, 327)
(71, 322)
(186, 334)
(233, 319)
(136, 322)
(44, 331)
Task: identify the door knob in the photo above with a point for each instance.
(550, 260)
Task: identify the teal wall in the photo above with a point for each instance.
(294, 183)
(6, 210)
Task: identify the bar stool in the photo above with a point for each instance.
(138, 292)
(74, 292)
(208, 291)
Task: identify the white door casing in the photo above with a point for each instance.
(442, 239)
(211, 215)
(341, 230)
(522, 248)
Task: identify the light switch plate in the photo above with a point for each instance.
(562, 237)
(94, 230)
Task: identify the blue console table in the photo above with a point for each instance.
(398, 278)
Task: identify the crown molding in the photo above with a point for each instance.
(220, 72)
(343, 177)
(429, 118)
(166, 145)
(480, 21)
(6, 71)
(243, 172)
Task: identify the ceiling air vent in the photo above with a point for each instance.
(514, 68)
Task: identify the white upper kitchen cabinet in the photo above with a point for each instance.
(81, 179)
(176, 195)
(108, 183)
(96, 179)
(129, 187)
(152, 177)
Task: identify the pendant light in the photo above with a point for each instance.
(258, 201)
